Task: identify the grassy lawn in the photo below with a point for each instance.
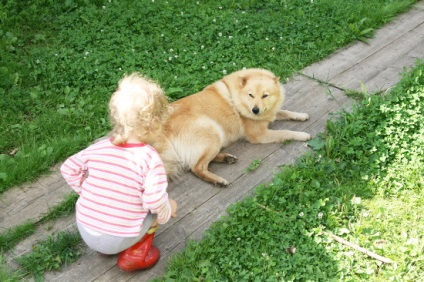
(61, 62)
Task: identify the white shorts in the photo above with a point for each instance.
(109, 244)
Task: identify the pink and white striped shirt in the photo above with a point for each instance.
(118, 186)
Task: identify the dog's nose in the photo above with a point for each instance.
(255, 110)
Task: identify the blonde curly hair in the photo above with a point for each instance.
(138, 107)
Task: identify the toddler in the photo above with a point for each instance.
(121, 180)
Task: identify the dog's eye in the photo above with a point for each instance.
(251, 95)
(265, 95)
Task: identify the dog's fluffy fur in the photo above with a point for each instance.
(240, 105)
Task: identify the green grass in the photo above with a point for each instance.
(364, 183)
(62, 60)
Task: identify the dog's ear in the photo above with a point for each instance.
(277, 79)
(243, 81)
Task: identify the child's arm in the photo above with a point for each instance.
(74, 172)
(155, 198)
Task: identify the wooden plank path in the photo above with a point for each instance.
(376, 65)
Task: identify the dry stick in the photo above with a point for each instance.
(344, 242)
(358, 248)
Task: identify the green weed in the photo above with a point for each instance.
(51, 254)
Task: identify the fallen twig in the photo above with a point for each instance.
(358, 248)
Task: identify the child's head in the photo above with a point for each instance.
(138, 107)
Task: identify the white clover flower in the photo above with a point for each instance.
(320, 215)
(238, 239)
(171, 50)
(266, 38)
(204, 67)
(230, 37)
(104, 7)
(220, 34)
(224, 71)
(169, 58)
(162, 35)
(301, 214)
(197, 3)
(37, 61)
(273, 48)
(214, 20)
(202, 47)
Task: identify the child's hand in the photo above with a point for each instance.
(173, 207)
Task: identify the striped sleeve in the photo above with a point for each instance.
(74, 171)
(155, 197)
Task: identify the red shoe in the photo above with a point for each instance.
(141, 255)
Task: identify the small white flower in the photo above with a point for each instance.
(175, 77)
(197, 3)
(204, 67)
(238, 239)
(214, 20)
(202, 47)
(220, 34)
(162, 35)
(320, 215)
(230, 37)
(301, 214)
(220, 7)
(171, 50)
(273, 48)
(355, 200)
(169, 58)
(38, 61)
(224, 71)
(266, 38)
(104, 7)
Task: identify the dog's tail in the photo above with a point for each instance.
(174, 167)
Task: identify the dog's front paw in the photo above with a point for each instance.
(302, 117)
(302, 136)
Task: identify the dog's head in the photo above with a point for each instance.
(256, 93)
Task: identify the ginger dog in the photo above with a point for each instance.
(239, 106)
